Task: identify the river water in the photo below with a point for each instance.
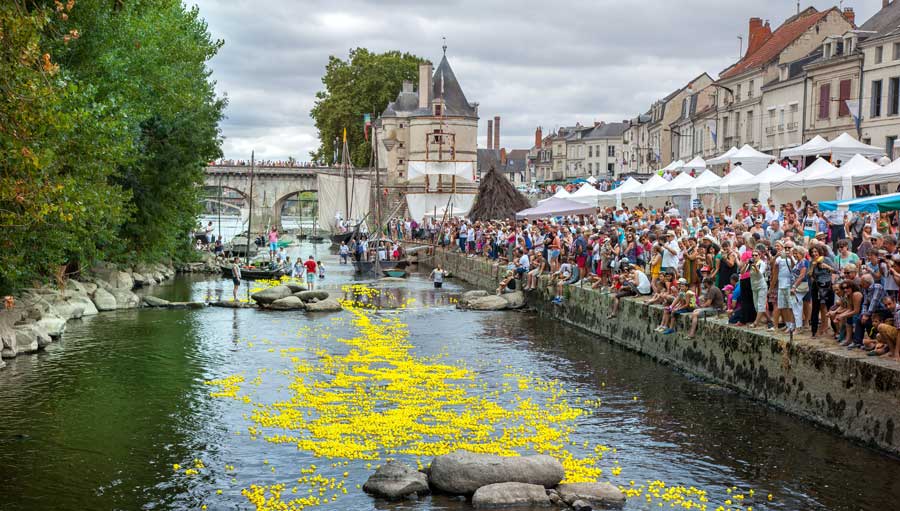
(98, 420)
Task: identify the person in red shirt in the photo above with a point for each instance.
(310, 265)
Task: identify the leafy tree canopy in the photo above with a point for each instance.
(365, 83)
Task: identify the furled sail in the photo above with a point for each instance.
(331, 198)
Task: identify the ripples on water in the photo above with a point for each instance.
(97, 420)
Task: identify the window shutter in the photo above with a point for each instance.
(824, 98)
(844, 110)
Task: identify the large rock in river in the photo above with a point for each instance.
(308, 296)
(326, 305)
(126, 299)
(30, 338)
(463, 472)
(466, 298)
(521, 495)
(104, 300)
(288, 303)
(489, 303)
(267, 296)
(395, 480)
(154, 301)
(514, 300)
(603, 495)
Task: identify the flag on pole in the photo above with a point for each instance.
(853, 106)
(711, 124)
(367, 123)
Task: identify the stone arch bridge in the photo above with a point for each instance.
(272, 186)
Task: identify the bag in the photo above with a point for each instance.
(802, 288)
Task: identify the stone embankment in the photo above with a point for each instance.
(494, 482)
(39, 315)
(847, 392)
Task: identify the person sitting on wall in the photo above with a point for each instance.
(711, 303)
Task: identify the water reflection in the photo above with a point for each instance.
(97, 420)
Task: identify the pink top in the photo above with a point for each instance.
(273, 237)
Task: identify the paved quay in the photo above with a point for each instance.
(846, 391)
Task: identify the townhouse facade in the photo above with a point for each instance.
(879, 44)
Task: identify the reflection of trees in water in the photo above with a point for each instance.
(684, 416)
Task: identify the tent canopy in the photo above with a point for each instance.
(736, 176)
(774, 173)
(879, 203)
(681, 185)
(723, 158)
(845, 146)
(707, 178)
(649, 185)
(697, 163)
(862, 175)
(816, 174)
(554, 207)
(816, 146)
(561, 193)
(675, 165)
(587, 194)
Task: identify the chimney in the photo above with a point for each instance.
(407, 86)
(538, 139)
(490, 142)
(758, 35)
(425, 85)
(849, 15)
(496, 132)
(503, 157)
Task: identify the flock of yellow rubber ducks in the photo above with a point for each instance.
(379, 401)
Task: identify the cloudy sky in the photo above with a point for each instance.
(533, 63)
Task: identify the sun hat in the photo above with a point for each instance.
(682, 281)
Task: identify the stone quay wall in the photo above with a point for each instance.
(847, 392)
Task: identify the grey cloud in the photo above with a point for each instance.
(534, 63)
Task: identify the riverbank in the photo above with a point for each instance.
(845, 391)
(38, 316)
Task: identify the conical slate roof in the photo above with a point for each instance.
(446, 86)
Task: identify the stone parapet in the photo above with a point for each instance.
(854, 395)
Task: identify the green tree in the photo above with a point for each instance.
(365, 83)
(149, 58)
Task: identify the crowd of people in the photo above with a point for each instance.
(788, 267)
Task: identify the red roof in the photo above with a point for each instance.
(782, 37)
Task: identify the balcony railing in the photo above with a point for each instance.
(792, 126)
(781, 128)
(770, 130)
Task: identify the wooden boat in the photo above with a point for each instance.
(369, 266)
(253, 273)
(343, 237)
(394, 273)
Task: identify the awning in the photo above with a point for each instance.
(697, 163)
(817, 174)
(736, 176)
(723, 158)
(681, 185)
(587, 194)
(880, 203)
(816, 146)
(554, 207)
(845, 147)
(675, 165)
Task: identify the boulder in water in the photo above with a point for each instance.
(326, 305)
(395, 480)
(267, 296)
(463, 472)
(104, 300)
(295, 287)
(466, 298)
(489, 303)
(514, 300)
(511, 495)
(288, 303)
(154, 301)
(603, 495)
(308, 296)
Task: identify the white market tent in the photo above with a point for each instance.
(707, 178)
(752, 160)
(615, 195)
(722, 159)
(648, 186)
(587, 194)
(697, 163)
(592, 180)
(553, 207)
(736, 176)
(561, 193)
(761, 184)
(675, 165)
(816, 146)
(887, 174)
(844, 147)
(681, 185)
(813, 182)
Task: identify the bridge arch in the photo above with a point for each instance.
(280, 202)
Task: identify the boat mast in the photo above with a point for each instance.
(250, 218)
(346, 172)
(377, 197)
